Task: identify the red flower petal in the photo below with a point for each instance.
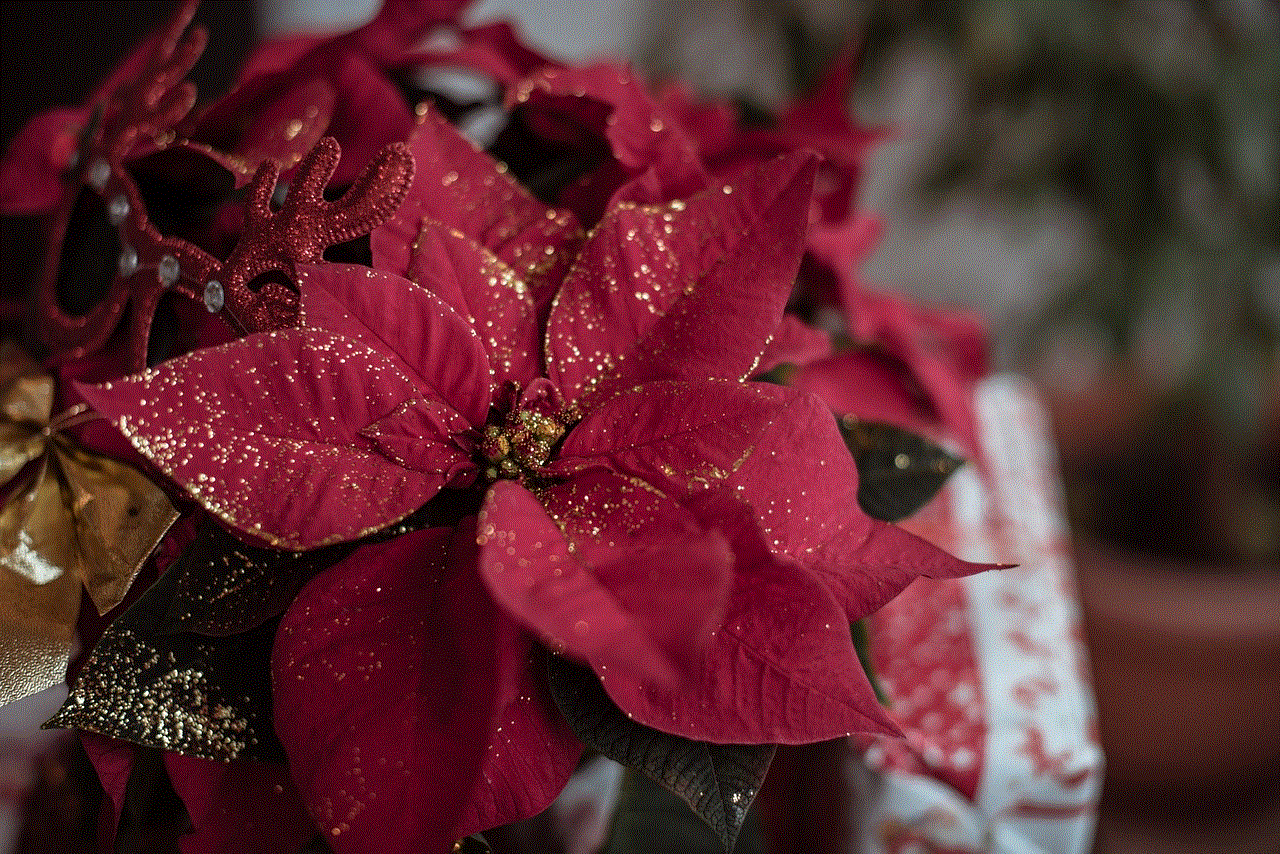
(369, 114)
(868, 385)
(494, 49)
(464, 189)
(275, 414)
(940, 351)
(426, 339)
(410, 436)
(796, 343)
(257, 122)
(607, 101)
(819, 121)
(532, 754)
(488, 293)
(634, 600)
(681, 436)
(246, 807)
(802, 481)
(392, 673)
(685, 290)
(782, 454)
(781, 668)
(400, 25)
(944, 353)
(579, 107)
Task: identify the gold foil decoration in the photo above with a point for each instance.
(81, 519)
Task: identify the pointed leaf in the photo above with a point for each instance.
(781, 667)
(200, 696)
(642, 602)
(798, 475)
(464, 189)
(429, 342)
(687, 290)
(717, 781)
(275, 414)
(898, 472)
(651, 818)
(488, 293)
(394, 672)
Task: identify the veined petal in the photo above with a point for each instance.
(275, 414)
(429, 342)
(488, 293)
(463, 188)
(688, 289)
(639, 599)
(781, 668)
(779, 451)
(393, 673)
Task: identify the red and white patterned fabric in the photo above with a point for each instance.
(987, 674)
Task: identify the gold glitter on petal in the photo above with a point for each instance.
(129, 689)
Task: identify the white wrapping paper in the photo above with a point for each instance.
(988, 673)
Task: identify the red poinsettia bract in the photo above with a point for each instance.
(692, 536)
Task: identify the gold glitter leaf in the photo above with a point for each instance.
(185, 693)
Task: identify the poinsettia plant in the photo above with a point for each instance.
(485, 451)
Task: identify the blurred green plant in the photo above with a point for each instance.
(1160, 121)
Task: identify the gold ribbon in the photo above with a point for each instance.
(80, 519)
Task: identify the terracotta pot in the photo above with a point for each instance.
(1186, 665)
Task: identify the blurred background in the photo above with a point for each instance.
(1101, 179)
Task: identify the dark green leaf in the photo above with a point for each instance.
(898, 472)
(222, 586)
(718, 781)
(649, 819)
(187, 693)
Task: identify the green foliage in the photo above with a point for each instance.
(718, 782)
(1161, 122)
(898, 472)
